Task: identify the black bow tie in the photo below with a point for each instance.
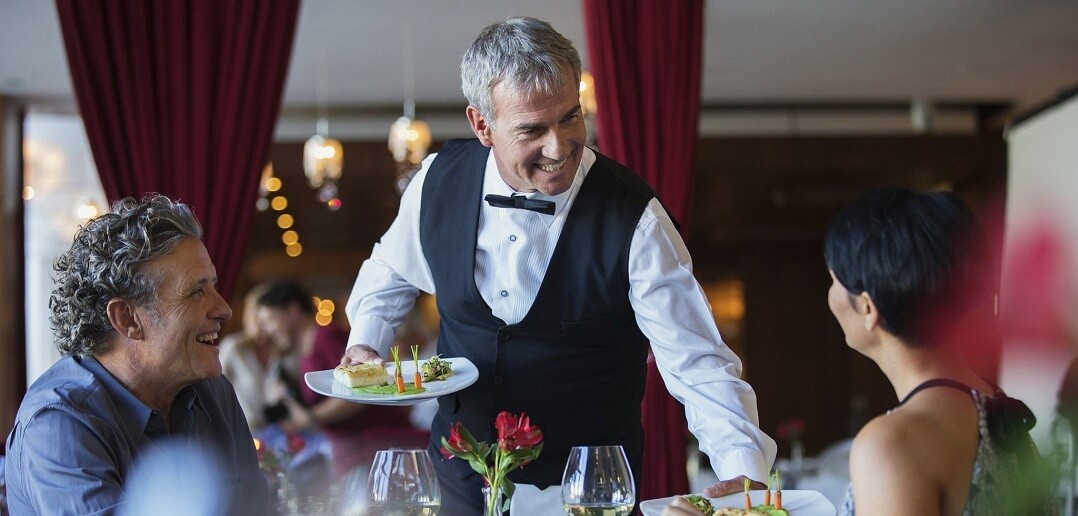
(519, 201)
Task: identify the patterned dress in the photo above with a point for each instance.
(993, 469)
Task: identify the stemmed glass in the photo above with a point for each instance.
(402, 483)
(597, 481)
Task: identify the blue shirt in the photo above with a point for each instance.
(79, 432)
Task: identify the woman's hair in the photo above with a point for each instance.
(107, 260)
(283, 293)
(922, 257)
(527, 54)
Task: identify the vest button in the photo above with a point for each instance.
(503, 335)
(498, 380)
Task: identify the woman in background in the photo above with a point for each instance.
(261, 372)
(906, 268)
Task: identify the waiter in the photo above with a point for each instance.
(553, 268)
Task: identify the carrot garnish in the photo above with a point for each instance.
(767, 494)
(748, 499)
(397, 369)
(418, 375)
(778, 491)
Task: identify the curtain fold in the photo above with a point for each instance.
(181, 98)
(646, 58)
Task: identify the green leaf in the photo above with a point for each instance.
(508, 488)
(478, 466)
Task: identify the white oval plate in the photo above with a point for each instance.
(464, 374)
(797, 502)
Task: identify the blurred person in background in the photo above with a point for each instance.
(136, 314)
(262, 371)
(285, 311)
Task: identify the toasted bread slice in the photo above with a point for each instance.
(361, 375)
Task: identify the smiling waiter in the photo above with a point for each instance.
(554, 268)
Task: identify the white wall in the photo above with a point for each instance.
(61, 172)
(1042, 192)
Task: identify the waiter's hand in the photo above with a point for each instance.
(681, 507)
(733, 485)
(361, 354)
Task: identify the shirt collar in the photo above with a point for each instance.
(494, 184)
(135, 414)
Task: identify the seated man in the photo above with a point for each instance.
(136, 315)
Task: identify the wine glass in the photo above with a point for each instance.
(597, 481)
(402, 483)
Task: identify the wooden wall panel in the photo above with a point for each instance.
(762, 206)
(12, 274)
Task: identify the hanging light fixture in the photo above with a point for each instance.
(409, 138)
(588, 105)
(323, 157)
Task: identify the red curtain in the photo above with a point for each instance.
(181, 98)
(645, 56)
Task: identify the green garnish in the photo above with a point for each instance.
(701, 503)
(390, 389)
(395, 350)
(436, 369)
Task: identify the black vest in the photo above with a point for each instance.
(576, 362)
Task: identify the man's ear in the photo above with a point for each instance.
(479, 125)
(123, 318)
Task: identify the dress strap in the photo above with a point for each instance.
(936, 382)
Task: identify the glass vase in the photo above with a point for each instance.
(287, 497)
(493, 501)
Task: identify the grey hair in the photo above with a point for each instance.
(525, 53)
(107, 260)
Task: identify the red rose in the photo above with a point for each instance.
(515, 433)
(518, 444)
(456, 443)
(295, 444)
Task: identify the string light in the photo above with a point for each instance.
(284, 221)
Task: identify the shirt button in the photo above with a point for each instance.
(505, 294)
(512, 238)
(498, 380)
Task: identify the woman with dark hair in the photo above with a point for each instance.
(905, 267)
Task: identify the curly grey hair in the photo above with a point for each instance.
(107, 260)
(526, 53)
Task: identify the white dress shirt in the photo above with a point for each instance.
(513, 251)
(257, 387)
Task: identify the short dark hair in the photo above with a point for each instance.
(283, 293)
(922, 257)
(108, 258)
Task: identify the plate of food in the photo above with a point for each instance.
(395, 382)
(794, 503)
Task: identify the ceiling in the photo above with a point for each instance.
(759, 52)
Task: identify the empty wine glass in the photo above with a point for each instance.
(597, 481)
(402, 483)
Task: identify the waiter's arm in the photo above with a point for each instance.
(389, 281)
(698, 368)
